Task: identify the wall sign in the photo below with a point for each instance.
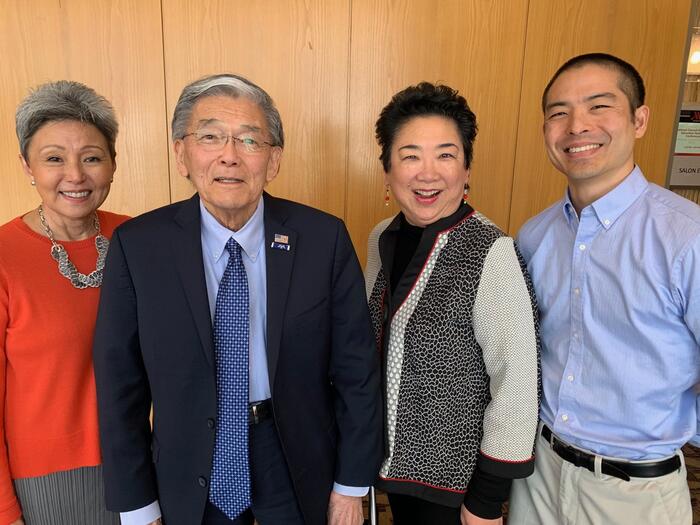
(685, 170)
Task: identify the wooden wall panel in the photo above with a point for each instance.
(476, 47)
(298, 52)
(691, 91)
(114, 46)
(650, 34)
(692, 194)
(331, 66)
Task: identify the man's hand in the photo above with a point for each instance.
(20, 521)
(344, 510)
(467, 518)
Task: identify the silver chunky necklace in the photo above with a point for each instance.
(66, 266)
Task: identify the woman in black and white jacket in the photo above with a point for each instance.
(455, 318)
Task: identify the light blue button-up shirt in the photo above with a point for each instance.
(619, 294)
(251, 238)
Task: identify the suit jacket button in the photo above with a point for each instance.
(211, 422)
(202, 481)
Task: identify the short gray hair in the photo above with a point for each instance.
(64, 100)
(228, 85)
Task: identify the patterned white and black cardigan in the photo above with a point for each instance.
(460, 344)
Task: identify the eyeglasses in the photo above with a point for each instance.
(214, 141)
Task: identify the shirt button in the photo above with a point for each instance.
(564, 417)
(211, 422)
(582, 247)
(606, 222)
(577, 291)
(202, 481)
(570, 377)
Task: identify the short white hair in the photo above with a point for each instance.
(229, 85)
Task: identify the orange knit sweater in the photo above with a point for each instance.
(48, 421)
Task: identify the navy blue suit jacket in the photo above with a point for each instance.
(154, 343)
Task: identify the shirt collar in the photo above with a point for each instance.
(215, 236)
(610, 206)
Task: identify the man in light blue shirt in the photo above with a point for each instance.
(616, 269)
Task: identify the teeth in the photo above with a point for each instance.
(583, 148)
(76, 194)
(427, 193)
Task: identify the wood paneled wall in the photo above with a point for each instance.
(649, 34)
(331, 65)
(298, 52)
(475, 47)
(115, 47)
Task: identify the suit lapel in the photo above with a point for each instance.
(190, 266)
(279, 263)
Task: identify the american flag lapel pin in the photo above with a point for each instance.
(281, 242)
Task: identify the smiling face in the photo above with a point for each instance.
(589, 131)
(229, 180)
(71, 165)
(427, 173)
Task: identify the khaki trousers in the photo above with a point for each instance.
(559, 493)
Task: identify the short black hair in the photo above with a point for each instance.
(630, 82)
(425, 100)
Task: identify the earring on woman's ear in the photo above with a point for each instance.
(33, 183)
(465, 196)
(386, 196)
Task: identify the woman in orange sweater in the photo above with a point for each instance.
(51, 262)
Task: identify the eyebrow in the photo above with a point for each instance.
(415, 147)
(62, 148)
(250, 127)
(590, 98)
(244, 127)
(601, 95)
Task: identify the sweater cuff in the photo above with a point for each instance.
(486, 494)
(11, 513)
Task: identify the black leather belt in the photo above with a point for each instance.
(618, 469)
(259, 411)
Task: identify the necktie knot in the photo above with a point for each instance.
(233, 248)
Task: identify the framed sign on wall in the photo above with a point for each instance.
(685, 170)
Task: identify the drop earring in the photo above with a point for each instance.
(33, 183)
(386, 196)
(465, 196)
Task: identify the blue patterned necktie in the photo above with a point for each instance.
(230, 477)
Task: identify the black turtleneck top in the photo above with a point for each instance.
(406, 244)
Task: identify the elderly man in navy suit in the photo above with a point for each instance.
(242, 318)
